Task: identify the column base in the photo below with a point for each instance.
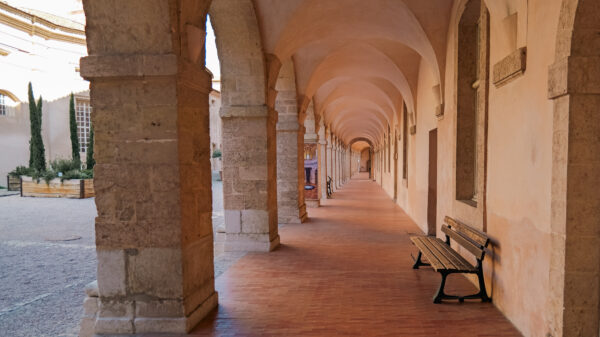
(291, 219)
(241, 242)
(291, 216)
(93, 325)
(313, 203)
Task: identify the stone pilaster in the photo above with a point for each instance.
(152, 181)
(329, 154)
(322, 149)
(312, 139)
(249, 166)
(334, 163)
(291, 207)
(338, 163)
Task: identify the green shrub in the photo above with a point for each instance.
(217, 153)
(47, 175)
(65, 165)
(22, 171)
(87, 174)
(77, 174)
(70, 169)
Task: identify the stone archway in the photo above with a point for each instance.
(367, 140)
(149, 89)
(574, 86)
(249, 196)
(154, 241)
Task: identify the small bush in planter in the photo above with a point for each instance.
(65, 165)
(22, 171)
(216, 153)
(69, 169)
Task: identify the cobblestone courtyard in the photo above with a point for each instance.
(47, 256)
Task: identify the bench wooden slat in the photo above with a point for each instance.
(440, 255)
(433, 260)
(467, 244)
(446, 260)
(479, 237)
(457, 259)
(436, 247)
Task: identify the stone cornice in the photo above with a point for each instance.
(35, 25)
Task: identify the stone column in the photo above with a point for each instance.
(346, 161)
(328, 154)
(338, 163)
(312, 138)
(322, 149)
(342, 164)
(291, 207)
(152, 176)
(249, 166)
(334, 159)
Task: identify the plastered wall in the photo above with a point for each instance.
(519, 165)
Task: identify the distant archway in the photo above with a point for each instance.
(368, 141)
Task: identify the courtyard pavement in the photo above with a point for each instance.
(47, 256)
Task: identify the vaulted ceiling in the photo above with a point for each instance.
(358, 61)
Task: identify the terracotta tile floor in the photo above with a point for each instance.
(345, 272)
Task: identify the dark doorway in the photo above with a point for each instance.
(395, 174)
(432, 191)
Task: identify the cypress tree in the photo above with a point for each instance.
(73, 128)
(32, 123)
(89, 159)
(39, 157)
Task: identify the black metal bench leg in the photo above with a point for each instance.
(440, 294)
(482, 290)
(417, 261)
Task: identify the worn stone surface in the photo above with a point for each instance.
(510, 67)
(290, 148)
(152, 167)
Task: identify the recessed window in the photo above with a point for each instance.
(389, 168)
(404, 142)
(3, 106)
(83, 111)
(472, 79)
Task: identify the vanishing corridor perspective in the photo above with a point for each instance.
(343, 274)
(349, 130)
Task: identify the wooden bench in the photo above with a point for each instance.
(446, 260)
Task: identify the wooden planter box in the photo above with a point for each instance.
(13, 183)
(71, 188)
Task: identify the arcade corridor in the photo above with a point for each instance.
(347, 271)
(480, 110)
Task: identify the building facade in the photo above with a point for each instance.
(43, 49)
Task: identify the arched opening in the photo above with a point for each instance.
(575, 166)
(361, 159)
(364, 155)
(154, 231)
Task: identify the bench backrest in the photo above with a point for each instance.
(470, 238)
